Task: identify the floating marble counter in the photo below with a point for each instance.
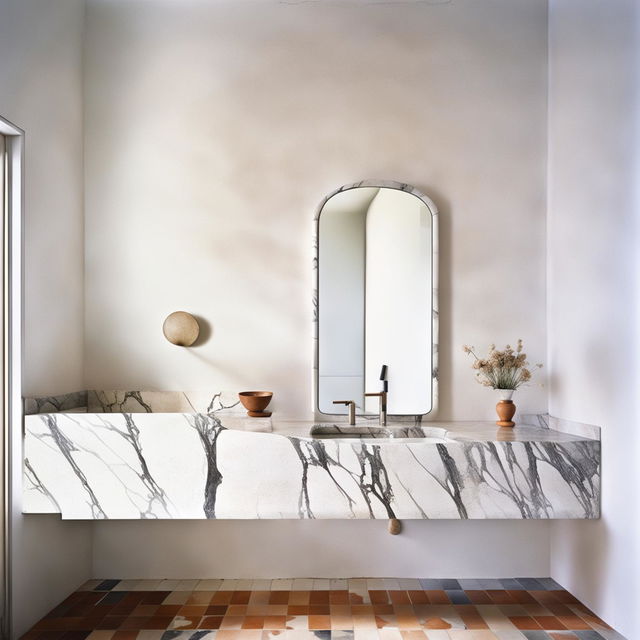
(191, 465)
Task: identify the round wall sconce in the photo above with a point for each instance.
(181, 328)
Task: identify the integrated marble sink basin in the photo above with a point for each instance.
(366, 431)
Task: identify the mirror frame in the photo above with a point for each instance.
(400, 186)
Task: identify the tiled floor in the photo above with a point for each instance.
(312, 609)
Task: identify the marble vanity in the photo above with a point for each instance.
(126, 455)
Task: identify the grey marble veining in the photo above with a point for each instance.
(76, 400)
(138, 401)
(546, 421)
(191, 465)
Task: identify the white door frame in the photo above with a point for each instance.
(12, 418)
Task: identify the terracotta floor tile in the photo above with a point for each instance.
(275, 622)
(371, 609)
(521, 597)
(319, 609)
(473, 621)
(110, 622)
(319, 622)
(565, 597)
(319, 597)
(177, 597)
(383, 609)
(210, 622)
(200, 597)
(192, 610)
(574, 622)
(399, 597)
(536, 610)
(500, 597)
(418, 597)
(125, 635)
(240, 597)
(549, 622)
(276, 610)
(339, 597)
(232, 622)
(252, 622)
(299, 597)
(437, 597)
(383, 622)
(160, 623)
(436, 623)
(154, 597)
(408, 622)
(259, 597)
(278, 597)
(524, 622)
(362, 609)
(145, 610)
(219, 597)
(594, 621)
(478, 597)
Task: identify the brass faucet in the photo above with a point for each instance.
(352, 409)
(383, 405)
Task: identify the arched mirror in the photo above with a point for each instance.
(376, 299)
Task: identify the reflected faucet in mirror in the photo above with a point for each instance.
(382, 405)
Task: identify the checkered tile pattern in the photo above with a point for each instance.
(312, 609)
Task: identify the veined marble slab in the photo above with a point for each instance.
(102, 401)
(75, 401)
(189, 465)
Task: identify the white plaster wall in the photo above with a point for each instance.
(593, 286)
(41, 92)
(213, 130)
(323, 548)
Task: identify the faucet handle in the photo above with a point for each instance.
(347, 402)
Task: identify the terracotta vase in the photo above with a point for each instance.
(505, 409)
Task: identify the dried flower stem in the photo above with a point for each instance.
(507, 369)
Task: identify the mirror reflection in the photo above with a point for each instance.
(375, 300)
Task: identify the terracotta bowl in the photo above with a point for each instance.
(255, 402)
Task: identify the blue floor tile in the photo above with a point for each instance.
(457, 596)
(589, 635)
(531, 584)
(511, 584)
(549, 584)
(536, 635)
(429, 584)
(106, 585)
(450, 584)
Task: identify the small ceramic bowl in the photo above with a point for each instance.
(255, 402)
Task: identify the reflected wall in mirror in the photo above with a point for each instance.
(376, 304)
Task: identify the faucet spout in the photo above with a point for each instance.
(352, 409)
(382, 405)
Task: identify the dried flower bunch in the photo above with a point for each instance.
(506, 369)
